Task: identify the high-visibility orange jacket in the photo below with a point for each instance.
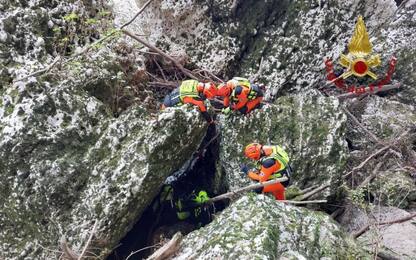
(271, 164)
(188, 93)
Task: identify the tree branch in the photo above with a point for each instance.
(312, 192)
(303, 202)
(389, 222)
(372, 176)
(46, 69)
(371, 135)
(363, 163)
(231, 194)
(157, 50)
(137, 251)
(379, 151)
(137, 14)
(166, 251)
(68, 252)
(88, 241)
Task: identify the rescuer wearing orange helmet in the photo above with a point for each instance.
(239, 94)
(273, 162)
(192, 92)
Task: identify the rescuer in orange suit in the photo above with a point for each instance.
(192, 92)
(239, 94)
(272, 162)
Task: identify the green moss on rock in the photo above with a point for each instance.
(258, 227)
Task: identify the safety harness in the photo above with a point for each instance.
(280, 155)
(253, 89)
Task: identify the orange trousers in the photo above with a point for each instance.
(277, 189)
(250, 105)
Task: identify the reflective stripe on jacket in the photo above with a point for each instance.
(188, 88)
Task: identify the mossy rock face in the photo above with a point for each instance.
(258, 227)
(33, 34)
(394, 188)
(311, 129)
(66, 162)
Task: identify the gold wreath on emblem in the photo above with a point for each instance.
(358, 61)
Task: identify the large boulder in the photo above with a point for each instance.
(310, 127)
(67, 163)
(394, 241)
(258, 227)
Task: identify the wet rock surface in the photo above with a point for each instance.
(259, 227)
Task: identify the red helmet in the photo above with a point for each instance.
(210, 90)
(253, 151)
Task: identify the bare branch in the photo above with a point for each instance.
(157, 50)
(389, 222)
(88, 241)
(137, 14)
(144, 248)
(67, 251)
(312, 192)
(303, 202)
(371, 135)
(168, 249)
(372, 176)
(46, 69)
(379, 151)
(308, 189)
(363, 163)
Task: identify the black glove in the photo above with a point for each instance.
(244, 168)
(258, 190)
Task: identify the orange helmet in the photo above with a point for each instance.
(253, 151)
(210, 90)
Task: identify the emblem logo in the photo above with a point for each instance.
(359, 62)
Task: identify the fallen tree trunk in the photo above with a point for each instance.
(311, 193)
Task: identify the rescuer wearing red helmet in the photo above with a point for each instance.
(273, 162)
(192, 92)
(239, 94)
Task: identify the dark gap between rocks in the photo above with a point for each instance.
(159, 221)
